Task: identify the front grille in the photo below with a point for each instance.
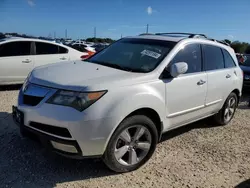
(31, 100)
(59, 131)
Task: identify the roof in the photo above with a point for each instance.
(14, 39)
(158, 37)
(176, 37)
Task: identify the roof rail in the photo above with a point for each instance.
(189, 35)
(219, 41)
(193, 35)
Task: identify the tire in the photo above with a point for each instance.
(220, 118)
(137, 123)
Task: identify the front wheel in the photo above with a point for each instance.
(226, 114)
(132, 144)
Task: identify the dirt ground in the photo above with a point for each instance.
(197, 155)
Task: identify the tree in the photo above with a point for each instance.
(248, 50)
(100, 40)
(239, 47)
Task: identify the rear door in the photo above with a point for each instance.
(46, 53)
(218, 76)
(16, 61)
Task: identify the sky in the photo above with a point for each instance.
(219, 19)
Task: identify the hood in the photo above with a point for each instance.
(82, 76)
(246, 69)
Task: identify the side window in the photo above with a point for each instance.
(21, 48)
(191, 54)
(229, 62)
(213, 57)
(62, 50)
(46, 48)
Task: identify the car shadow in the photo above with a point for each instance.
(25, 163)
(203, 124)
(10, 87)
(244, 184)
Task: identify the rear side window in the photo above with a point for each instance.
(46, 48)
(21, 48)
(62, 50)
(229, 62)
(213, 57)
(191, 54)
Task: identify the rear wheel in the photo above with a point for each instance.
(131, 145)
(226, 114)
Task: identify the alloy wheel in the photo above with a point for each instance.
(230, 109)
(132, 145)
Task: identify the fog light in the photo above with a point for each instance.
(64, 147)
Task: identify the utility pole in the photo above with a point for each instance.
(66, 34)
(54, 35)
(121, 35)
(147, 29)
(94, 32)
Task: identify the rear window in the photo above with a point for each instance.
(139, 55)
(43, 48)
(229, 62)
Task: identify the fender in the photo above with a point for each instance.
(148, 97)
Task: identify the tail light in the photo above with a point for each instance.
(85, 56)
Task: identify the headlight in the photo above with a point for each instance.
(76, 100)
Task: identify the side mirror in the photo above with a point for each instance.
(178, 68)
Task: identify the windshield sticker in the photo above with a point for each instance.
(151, 54)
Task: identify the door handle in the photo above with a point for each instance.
(228, 76)
(63, 58)
(26, 61)
(201, 82)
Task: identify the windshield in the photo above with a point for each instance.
(136, 55)
(247, 62)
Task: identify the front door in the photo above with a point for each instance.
(15, 62)
(185, 95)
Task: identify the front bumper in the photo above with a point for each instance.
(88, 131)
(246, 83)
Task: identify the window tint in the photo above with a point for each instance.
(15, 49)
(229, 62)
(46, 48)
(191, 54)
(213, 57)
(63, 50)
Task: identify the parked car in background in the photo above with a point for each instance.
(89, 50)
(118, 103)
(99, 47)
(18, 56)
(245, 66)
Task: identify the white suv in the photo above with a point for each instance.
(117, 103)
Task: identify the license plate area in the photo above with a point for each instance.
(18, 116)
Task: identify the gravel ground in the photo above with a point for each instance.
(198, 155)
